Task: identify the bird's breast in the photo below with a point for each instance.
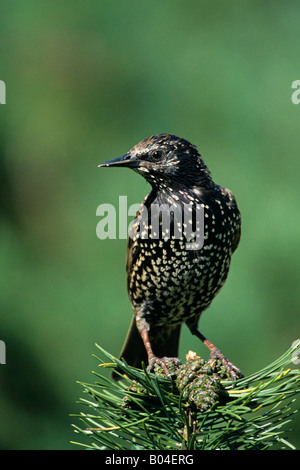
(173, 280)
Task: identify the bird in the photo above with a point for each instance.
(173, 270)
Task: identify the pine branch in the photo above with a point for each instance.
(199, 409)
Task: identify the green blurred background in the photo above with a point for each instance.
(86, 80)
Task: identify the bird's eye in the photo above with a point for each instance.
(156, 155)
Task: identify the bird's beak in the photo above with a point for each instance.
(126, 160)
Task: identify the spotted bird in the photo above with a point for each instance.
(172, 277)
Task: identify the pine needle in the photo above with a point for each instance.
(145, 410)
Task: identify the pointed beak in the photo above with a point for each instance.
(126, 160)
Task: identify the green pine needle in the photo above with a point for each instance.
(146, 411)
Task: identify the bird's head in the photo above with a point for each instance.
(166, 161)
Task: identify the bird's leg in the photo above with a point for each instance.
(152, 359)
(215, 354)
(146, 341)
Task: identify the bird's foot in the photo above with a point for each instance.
(168, 365)
(231, 370)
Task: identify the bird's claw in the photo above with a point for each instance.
(233, 371)
(166, 363)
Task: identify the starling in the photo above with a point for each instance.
(172, 277)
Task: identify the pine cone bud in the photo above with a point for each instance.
(199, 382)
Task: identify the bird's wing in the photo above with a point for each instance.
(133, 246)
(233, 205)
(133, 251)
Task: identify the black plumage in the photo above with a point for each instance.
(176, 265)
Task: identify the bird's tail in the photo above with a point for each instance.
(164, 344)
